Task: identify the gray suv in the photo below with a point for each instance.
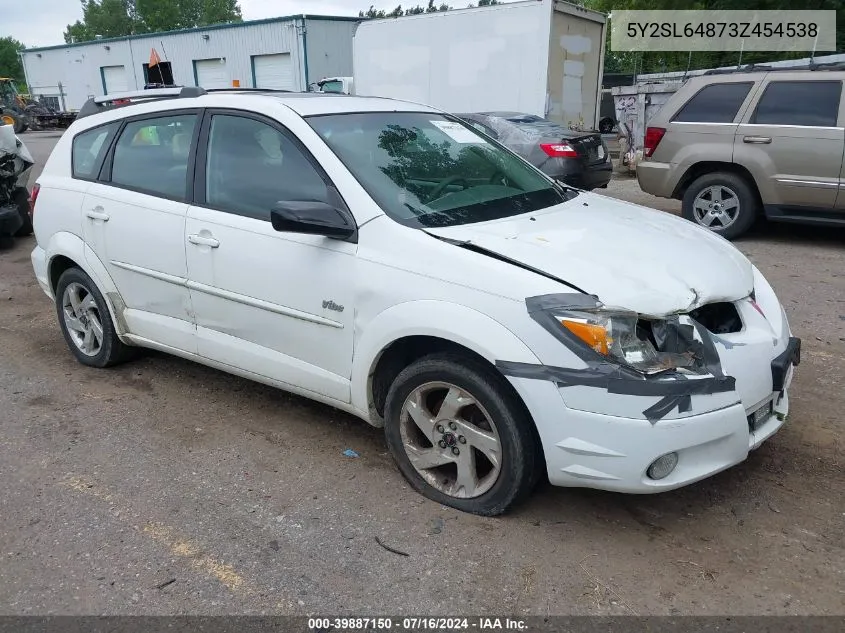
(738, 145)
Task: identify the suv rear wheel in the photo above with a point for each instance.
(722, 202)
(459, 436)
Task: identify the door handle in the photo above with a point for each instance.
(97, 213)
(764, 140)
(201, 240)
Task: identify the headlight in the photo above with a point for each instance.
(623, 338)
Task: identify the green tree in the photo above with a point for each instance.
(10, 63)
(659, 61)
(371, 13)
(116, 18)
(108, 18)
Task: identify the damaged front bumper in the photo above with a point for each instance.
(613, 452)
(604, 428)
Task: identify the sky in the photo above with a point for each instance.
(42, 22)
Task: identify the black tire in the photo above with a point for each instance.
(520, 450)
(21, 198)
(606, 126)
(112, 350)
(749, 202)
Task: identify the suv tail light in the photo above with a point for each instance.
(32, 198)
(653, 136)
(559, 150)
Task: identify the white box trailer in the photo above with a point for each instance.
(542, 57)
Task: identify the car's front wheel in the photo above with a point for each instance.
(459, 435)
(86, 323)
(721, 202)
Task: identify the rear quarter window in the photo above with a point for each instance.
(716, 103)
(803, 103)
(88, 149)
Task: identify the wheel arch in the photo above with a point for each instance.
(405, 332)
(708, 167)
(66, 250)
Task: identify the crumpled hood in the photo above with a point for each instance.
(629, 256)
(10, 145)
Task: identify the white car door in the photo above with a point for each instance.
(276, 304)
(134, 223)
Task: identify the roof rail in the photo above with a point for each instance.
(110, 101)
(754, 68)
(248, 90)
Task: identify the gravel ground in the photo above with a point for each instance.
(164, 487)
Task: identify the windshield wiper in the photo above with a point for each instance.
(566, 189)
(420, 212)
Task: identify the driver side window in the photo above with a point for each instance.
(252, 166)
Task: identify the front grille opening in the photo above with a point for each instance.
(719, 318)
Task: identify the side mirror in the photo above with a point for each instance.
(312, 218)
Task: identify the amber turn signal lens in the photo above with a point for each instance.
(593, 335)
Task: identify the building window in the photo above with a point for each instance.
(161, 73)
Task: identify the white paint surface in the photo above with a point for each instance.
(572, 97)
(573, 68)
(576, 44)
(491, 58)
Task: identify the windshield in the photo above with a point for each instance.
(427, 170)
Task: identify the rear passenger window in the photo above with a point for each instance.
(716, 103)
(251, 166)
(151, 155)
(810, 103)
(88, 148)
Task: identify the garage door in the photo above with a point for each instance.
(273, 71)
(211, 73)
(114, 79)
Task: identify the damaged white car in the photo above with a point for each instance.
(386, 259)
(15, 161)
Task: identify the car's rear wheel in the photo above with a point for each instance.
(86, 323)
(721, 202)
(459, 435)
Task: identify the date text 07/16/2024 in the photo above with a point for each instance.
(341, 625)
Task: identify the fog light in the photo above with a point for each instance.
(662, 466)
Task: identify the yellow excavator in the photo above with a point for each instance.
(12, 106)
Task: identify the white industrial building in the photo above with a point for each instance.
(285, 53)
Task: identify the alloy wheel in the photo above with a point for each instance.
(451, 440)
(82, 319)
(716, 207)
